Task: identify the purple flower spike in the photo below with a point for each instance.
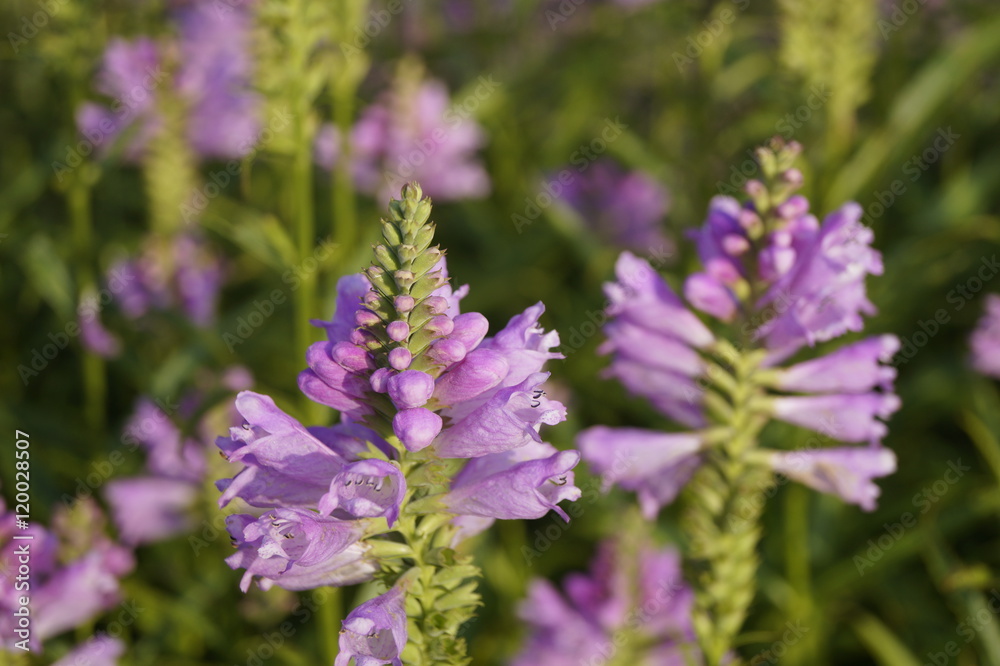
(374, 633)
(410, 388)
(366, 489)
(847, 417)
(853, 368)
(510, 418)
(845, 472)
(985, 341)
(297, 549)
(655, 465)
(416, 428)
(526, 490)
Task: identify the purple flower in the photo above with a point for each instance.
(624, 208)
(298, 549)
(148, 509)
(653, 339)
(375, 633)
(99, 650)
(182, 273)
(129, 73)
(655, 465)
(63, 596)
(985, 340)
(366, 489)
(505, 486)
(96, 338)
(853, 368)
(642, 592)
(849, 417)
(845, 472)
(412, 133)
(213, 80)
(287, 465)
(169, 454)
(822, 295)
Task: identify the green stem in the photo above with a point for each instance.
(92, 365)
(329, 615)
(342, 89)
(303, 221)
(797, 566)
(723, 525)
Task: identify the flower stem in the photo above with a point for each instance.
(330, 614)
(92, 365)
(442, 583)
(727, 495)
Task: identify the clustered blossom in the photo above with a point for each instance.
(74, 577)
(416, 381)
(158, 504)
(632, 602)
(623, 207)
(782, 281)
(212, 81)
(985, 340)
(412, 133)
(182, 273)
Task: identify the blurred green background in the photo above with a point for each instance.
(865, 86)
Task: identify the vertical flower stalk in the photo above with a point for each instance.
(439, 437)
(777, 281)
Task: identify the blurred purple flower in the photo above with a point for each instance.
(641, 592)
(845, 472)
(213, 81)
(63, 596)
(96, 338)
(623, 208)
(985, 340)
(182, 273)
(412, 133)
(147, 509)
(99, 650)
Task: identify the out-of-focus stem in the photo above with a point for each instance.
(92, 365)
